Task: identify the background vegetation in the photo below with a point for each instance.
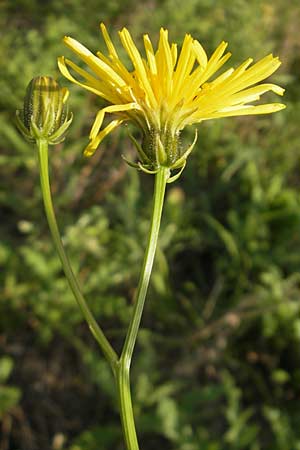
(217, 364)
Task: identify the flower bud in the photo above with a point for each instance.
(45, 113)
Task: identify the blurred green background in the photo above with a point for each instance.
(217, 366)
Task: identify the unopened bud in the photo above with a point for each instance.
(45, 112)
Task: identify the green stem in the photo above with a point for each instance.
(125, 406)
(120, 367)
(122, 373)
(98, 334)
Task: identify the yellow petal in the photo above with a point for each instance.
(150, 54)
(247, 110)
(258, 72)
(110, 46)
(94, 144)
(165, 51)
(174, 53)
(109, 109)
(256, 91)
(200, 54)
(102, 69)
(62, 65)
(137, 62)
(183, 69)
(213, 67)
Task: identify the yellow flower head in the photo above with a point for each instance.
(165, 91)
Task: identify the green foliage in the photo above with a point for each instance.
(217, 363)
(99, 438)
(9, 395)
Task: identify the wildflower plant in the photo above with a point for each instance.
(162, 93)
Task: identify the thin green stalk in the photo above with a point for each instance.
(161, 179)
(125, 406)
(122, 373)
(98, 334)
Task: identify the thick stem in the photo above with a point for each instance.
(98, 334)
(122, 373)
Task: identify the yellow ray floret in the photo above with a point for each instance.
(164, 91)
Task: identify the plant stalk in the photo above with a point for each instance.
(98, 334)
(120, 366)
(123, 371)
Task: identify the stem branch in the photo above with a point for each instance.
(98, 334)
